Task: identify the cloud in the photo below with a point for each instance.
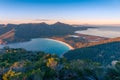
(42, 20)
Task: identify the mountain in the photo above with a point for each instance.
(103, 53)
(1, 25)
(42, 30)
(5, 29)
(37, 30)
(60, 24)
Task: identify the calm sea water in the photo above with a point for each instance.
(110, 32)
(41, 44)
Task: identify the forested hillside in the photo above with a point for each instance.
(104, 53)
(19, 64)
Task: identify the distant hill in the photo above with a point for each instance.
(5, 29)
(1, 25)
(44, 30)
(103, 53)
(37, 30)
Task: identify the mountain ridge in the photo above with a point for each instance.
(40, 30)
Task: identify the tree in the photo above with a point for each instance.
(9, 75)
(52, 63)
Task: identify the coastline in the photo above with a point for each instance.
(70, 47)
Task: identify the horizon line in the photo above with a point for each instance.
(66, 21)
(84, 24)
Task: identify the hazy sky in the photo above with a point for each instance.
(69, 11)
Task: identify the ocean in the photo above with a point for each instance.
(103, 31)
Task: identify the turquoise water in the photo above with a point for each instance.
(41, 44)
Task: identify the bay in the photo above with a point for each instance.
(41, 44)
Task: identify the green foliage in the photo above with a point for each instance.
(10, 75)
(19, 64)
(52, 63)
(104, 53)
(113, 73)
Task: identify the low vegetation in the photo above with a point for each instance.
(19, 64)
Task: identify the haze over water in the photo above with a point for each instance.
(110, 32)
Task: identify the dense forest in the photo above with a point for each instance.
(103, 53)
(19, 64)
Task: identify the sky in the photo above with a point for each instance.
(68, 11)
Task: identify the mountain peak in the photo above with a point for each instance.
(59, 23)
(44, 23)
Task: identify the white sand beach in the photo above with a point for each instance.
(70, 47)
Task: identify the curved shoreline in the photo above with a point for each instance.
(70, 47)
(62, 42)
